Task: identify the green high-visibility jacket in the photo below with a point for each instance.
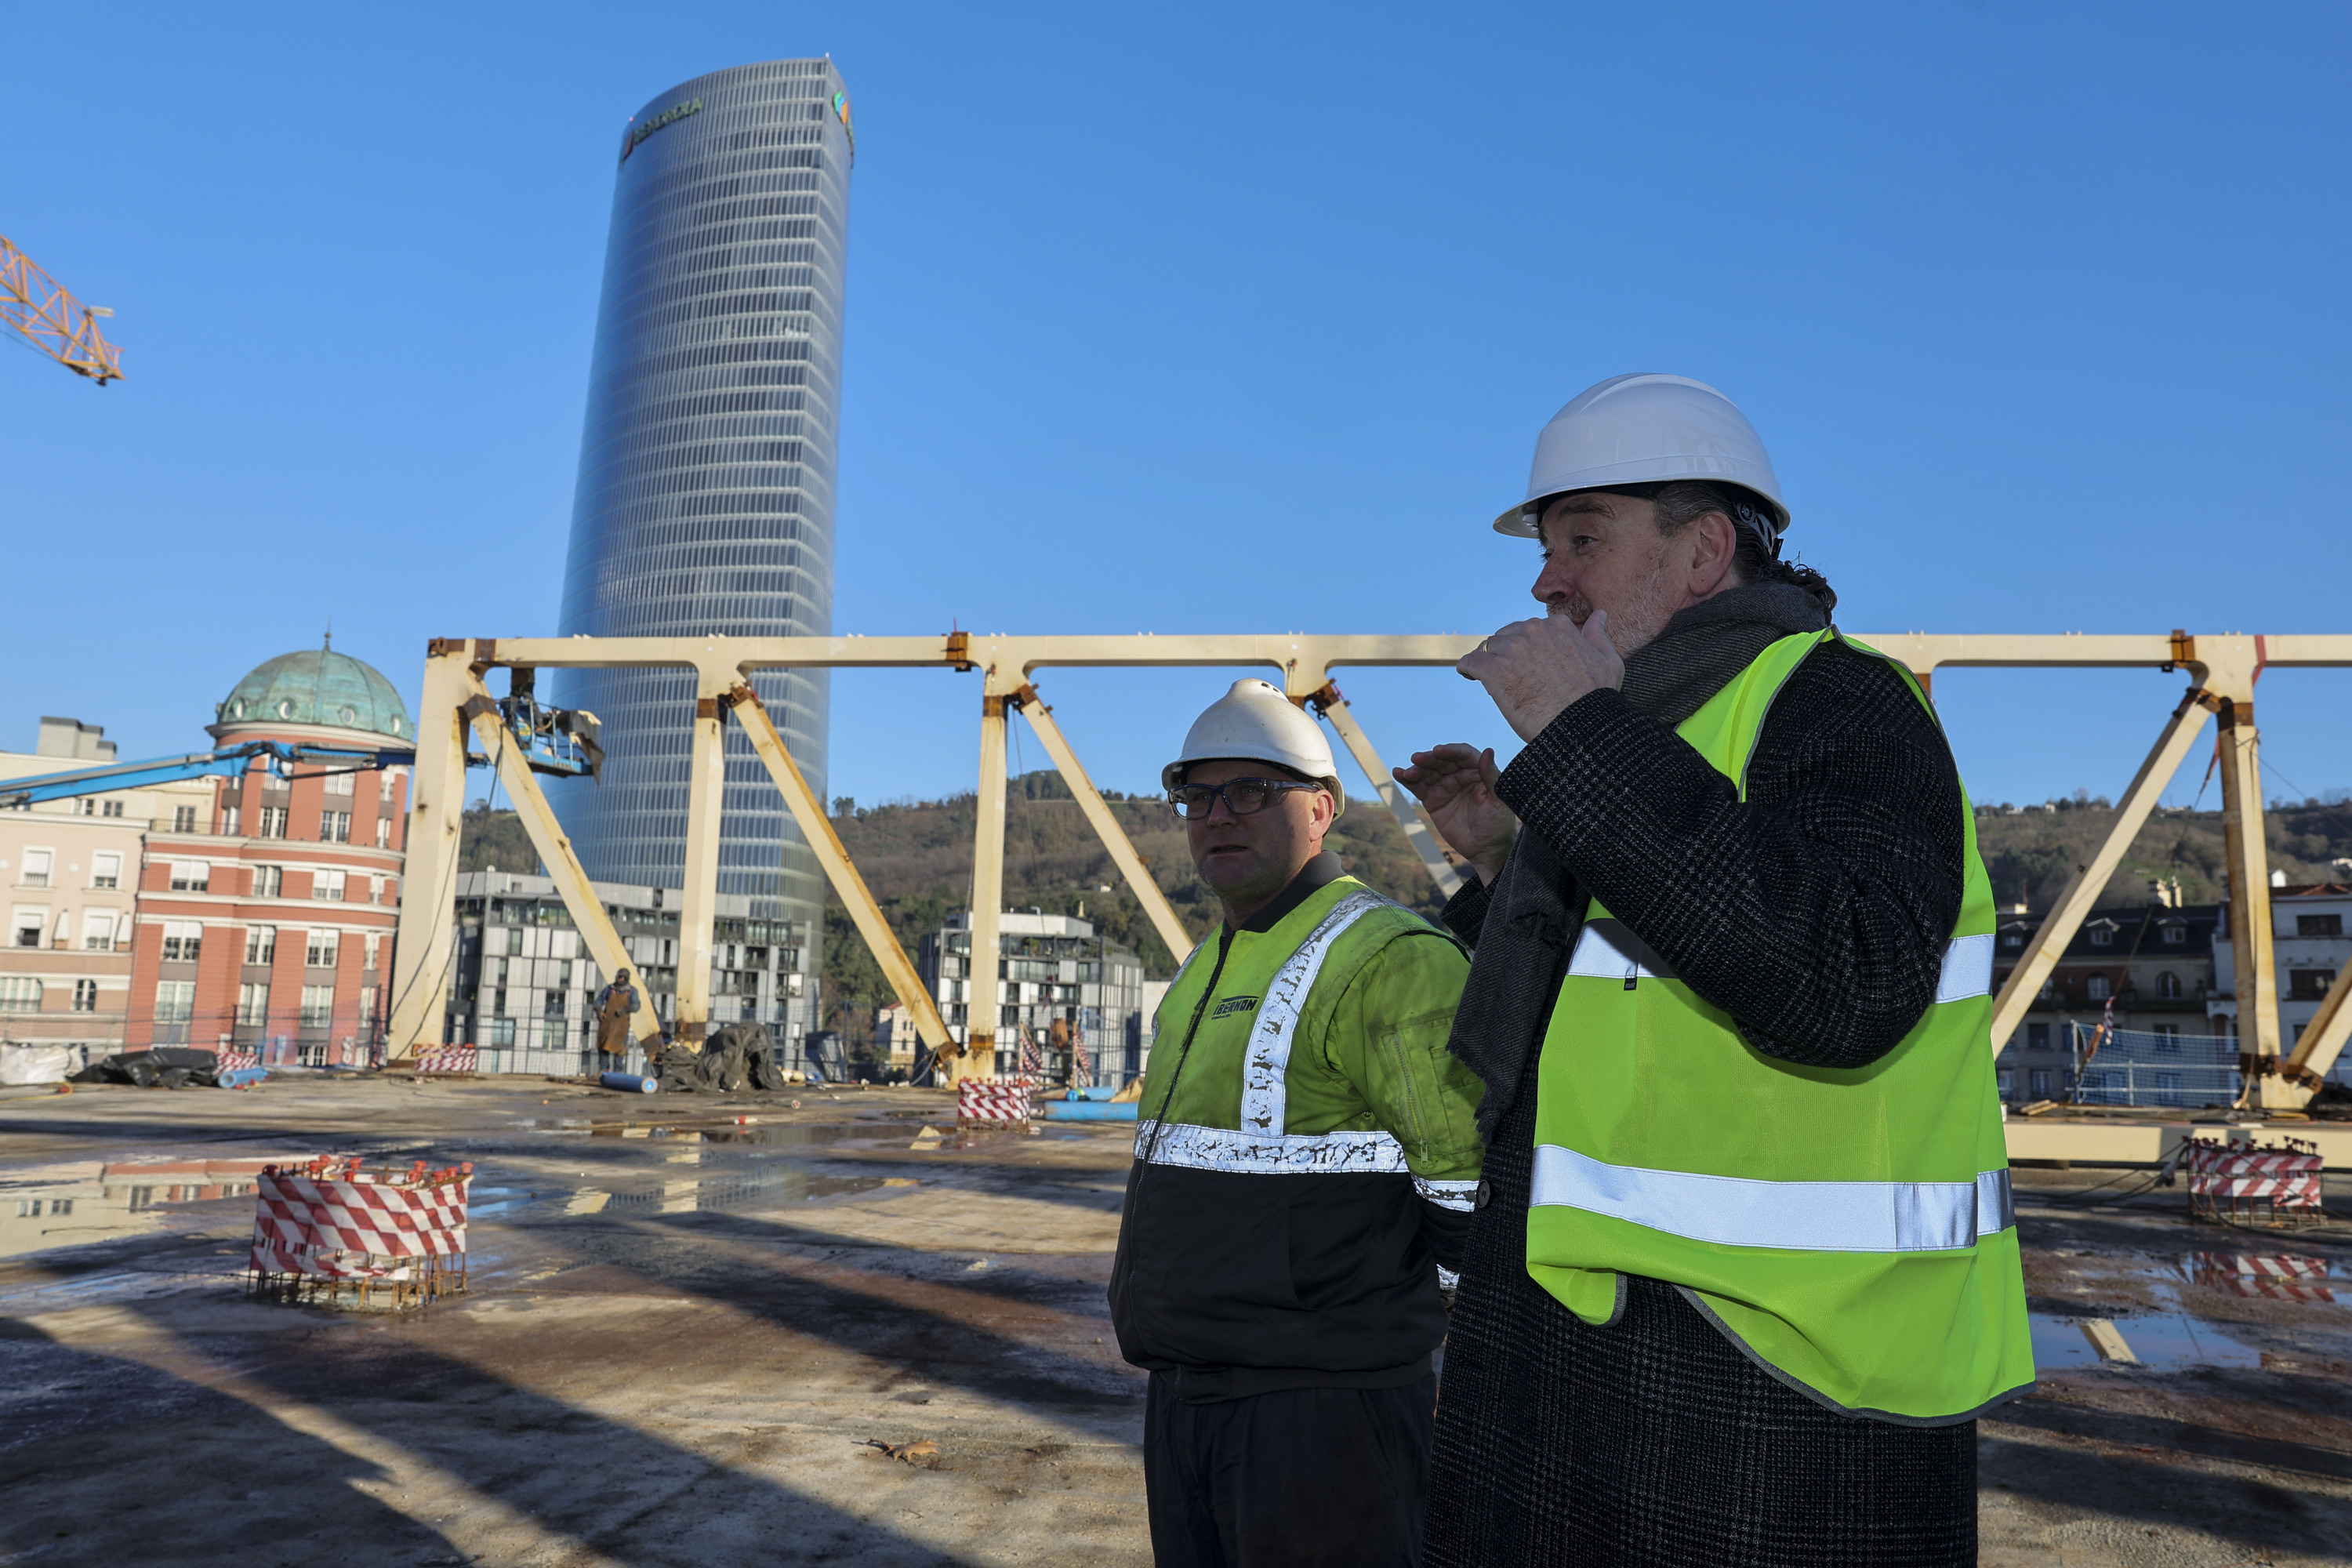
(1851, 1229)
(1299, 1114)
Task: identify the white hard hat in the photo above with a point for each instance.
(1644, 429)
(1254, 721)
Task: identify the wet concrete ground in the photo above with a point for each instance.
(683, 1333)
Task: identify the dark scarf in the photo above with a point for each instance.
(1534, 911)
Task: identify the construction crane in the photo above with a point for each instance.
(57, 323)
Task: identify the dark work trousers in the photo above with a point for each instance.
(1307, 1478)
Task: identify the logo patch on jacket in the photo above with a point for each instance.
(1235, 1004)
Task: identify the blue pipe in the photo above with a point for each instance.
(629, 1082)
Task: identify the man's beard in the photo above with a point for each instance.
(1636, 622)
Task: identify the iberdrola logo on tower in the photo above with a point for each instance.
(841, 112)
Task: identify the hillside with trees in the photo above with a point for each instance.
(916, 857)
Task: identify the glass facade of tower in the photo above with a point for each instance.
(705, 498)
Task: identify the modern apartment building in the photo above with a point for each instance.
(522, 989)
(2311, 940)
(705, 499)
(1078, 999)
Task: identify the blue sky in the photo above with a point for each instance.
(1211, 318)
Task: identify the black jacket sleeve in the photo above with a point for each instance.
(1816, 912)
(1464, 913)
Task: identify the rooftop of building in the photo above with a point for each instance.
(317, 685)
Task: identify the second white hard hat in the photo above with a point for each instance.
(1256, 723)
(1644, 429)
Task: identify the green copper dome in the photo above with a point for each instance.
(318, 685)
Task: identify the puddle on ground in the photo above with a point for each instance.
(76, 1205)
(2271, 1276)
(2162, 1341)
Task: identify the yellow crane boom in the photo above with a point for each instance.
(60, 325)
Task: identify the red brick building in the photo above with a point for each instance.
(271, 926)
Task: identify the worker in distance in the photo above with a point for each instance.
(1747, 1271)
(615, 1005)
(1306, 1166)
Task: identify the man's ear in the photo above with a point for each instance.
(1716, 539)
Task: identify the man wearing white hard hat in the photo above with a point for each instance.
(1306, 1169)
(1745, 1271)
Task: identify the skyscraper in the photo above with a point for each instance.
(706, 460)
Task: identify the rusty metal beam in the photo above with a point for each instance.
(982, 1011)
(421, 947)
(825, 843)
(2090, 878)
(1420, 832)
(1114, 839)
(605, 949)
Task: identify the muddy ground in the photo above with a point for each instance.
(684, 1333)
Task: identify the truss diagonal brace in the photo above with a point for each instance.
(817, 828)
(1123, 853)
(2180, 732)
(1419, 831)
(605, 949)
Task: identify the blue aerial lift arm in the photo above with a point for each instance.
(553, 741)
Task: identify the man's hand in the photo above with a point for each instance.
(1534, 669)
(1456, 783)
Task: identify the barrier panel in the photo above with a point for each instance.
(2274, 1187)
(332, 1234)
(448, 1059)
(992, 1101)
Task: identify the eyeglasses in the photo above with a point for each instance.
(1241, 797)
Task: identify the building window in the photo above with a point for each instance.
(85, 996)
(268, 882)
(181, 941)
(19, 994)
(337, 783)
(253, 1003)
(231, 819)
(334, 828)
(2167, 1036)
(24, 928)
(383, 833)
(499, 1032)
(2168, 986)
(320, 953)
(183, 819)
(191, 876)
(318, 1006)
(2103, 935)
(2319, 925)
(110, 808)
(2310, 985)
(35, 871)
(2039, 1079)
(383, 784)
(86, 807)
(328, 885)
(367, 1005)
(261, 944)
(273, 822)
(2095, 988)
(2037, 1037)
(97, 931)
(376, 889)
(175, 1001)
(374, 942)
(2176, 934)
(106, 869)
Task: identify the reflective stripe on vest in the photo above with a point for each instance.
(1460, 1196)
(1261, 1147)
(1602, 953)
(1799, 1216)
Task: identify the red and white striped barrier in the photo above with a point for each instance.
(331, 1220)
(448, 1059)
(239, 1061)
(2280, 1182)
(982, 1099)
